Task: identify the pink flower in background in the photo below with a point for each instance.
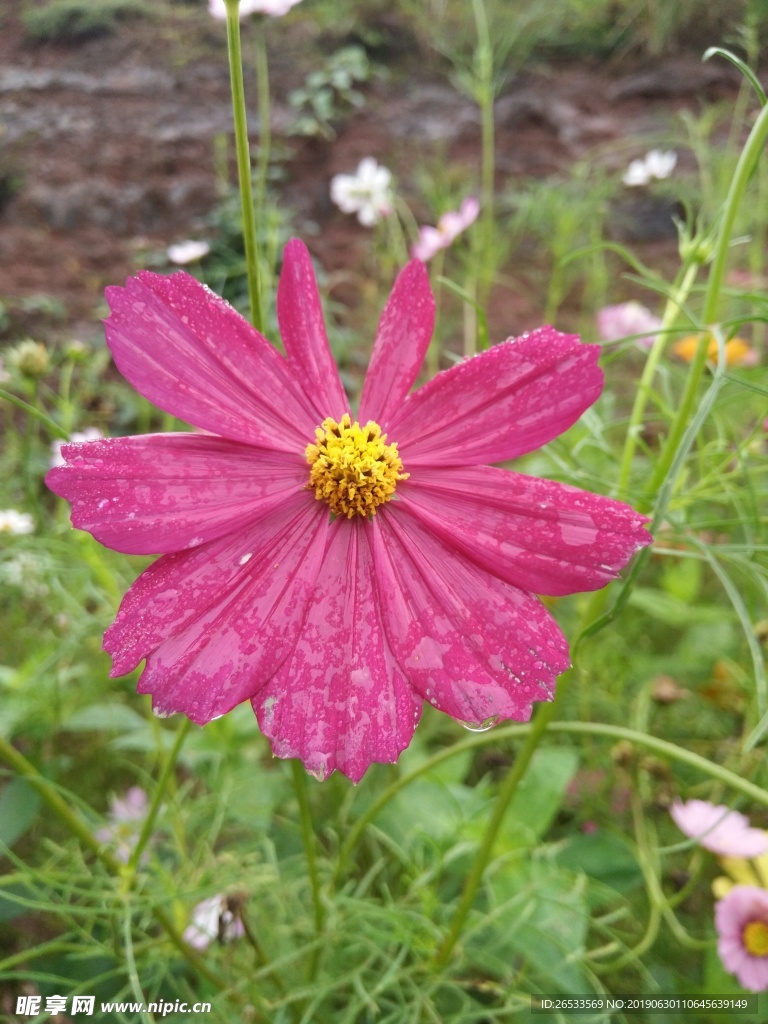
(338, 569)
(719, 829)
(741, 920)
(626, 319)
(273, 8)
(212, 919)
(125, 818)
(449, 227)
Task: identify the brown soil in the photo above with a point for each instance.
(108, 144)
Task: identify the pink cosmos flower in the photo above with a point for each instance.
(125, 818)
(449, 227)
(628, 318)
(719, 829)
(338, 570)
(741, 919)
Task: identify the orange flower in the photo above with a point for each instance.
(737, 351)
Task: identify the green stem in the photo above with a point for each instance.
(643, 393)
(49, 794)
(484, 58)
(744, 168)
(252, 258)
(52, 426)
(513, 732)
(308, 838)
(484, 851)
(160, 788)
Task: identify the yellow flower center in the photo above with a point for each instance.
(353, 468)
(755, 938)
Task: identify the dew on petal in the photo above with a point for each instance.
(481, 726)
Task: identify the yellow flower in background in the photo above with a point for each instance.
(741, 872)
(738, 352)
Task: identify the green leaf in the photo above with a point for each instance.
(603, 856)
(540, 916)
(539, 796)
(106, 717)
(673, 611)
(19, 803)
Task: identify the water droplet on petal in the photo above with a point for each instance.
(481, 726)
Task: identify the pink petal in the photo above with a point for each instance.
(470, 644)
(166, 492)
(302, 329)
(431, 241)
(340, 701)
(402, 339)
(215, 623)
(538, 535)
(502, 403)
(194, 356)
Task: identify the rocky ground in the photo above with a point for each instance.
(108, 144)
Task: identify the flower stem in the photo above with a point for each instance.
(252, 258)
(485, 98)
(160, 788)
(644, 389)
(506, 793)
(308, 838)
(744, 168)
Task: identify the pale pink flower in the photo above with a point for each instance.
(449, 227)
(719, 829)
(741, 920)
(273, 8)
(124, 820)
(89, 434)
(627, 319)
(212, 919)
(338, 626)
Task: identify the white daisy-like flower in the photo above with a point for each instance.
(12, 521)
(187, 252)
(367, 192)
(89, 434)
(654, 165)
(273, 8)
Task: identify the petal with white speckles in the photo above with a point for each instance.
(340, 701)
(194, 356)
(167, 492)
(536, 534)
(302, 329)
(473, 646)
(402, 340)
(214, 626)
(500, 404)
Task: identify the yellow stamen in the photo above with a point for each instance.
(755, 938)
(353, 469)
